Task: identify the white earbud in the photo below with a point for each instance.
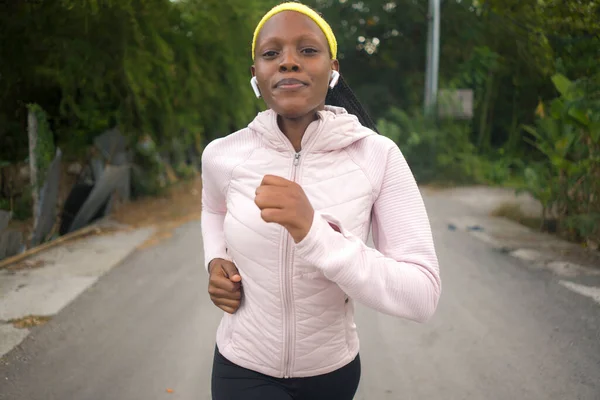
(335, 76)
(254, 84)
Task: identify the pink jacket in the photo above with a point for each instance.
(297, 314)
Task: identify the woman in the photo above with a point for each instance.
(288, 203)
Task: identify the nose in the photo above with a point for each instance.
(289, 63)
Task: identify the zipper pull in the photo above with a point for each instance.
(296, 159)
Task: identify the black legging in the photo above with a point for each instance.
(232, 382)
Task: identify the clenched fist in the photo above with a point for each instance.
(225, 285)
(284, 202)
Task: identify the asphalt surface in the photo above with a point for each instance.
(146, 331)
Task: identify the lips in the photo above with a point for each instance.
(290, 83)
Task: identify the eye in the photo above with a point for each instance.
(310, 51)
(270, 54)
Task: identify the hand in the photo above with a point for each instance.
(224, 285)
(285, 203)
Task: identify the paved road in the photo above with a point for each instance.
(503, 331)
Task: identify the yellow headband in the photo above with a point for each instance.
(301, 8)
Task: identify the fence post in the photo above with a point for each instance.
(32, 131)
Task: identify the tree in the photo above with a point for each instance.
(157, 67)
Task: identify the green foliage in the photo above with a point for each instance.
(185, 171)
(151, 67)
(567, 181)
(443, 151)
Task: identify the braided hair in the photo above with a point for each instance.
(342, 96)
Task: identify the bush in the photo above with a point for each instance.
(443, 151)
(567, 180)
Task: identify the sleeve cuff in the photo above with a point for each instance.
(313, 246)
(311, 239)
(211, 257)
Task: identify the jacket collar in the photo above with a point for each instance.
(334, 129)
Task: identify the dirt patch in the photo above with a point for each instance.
(180, 204)
(29, 321)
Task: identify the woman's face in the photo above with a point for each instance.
(293, 64)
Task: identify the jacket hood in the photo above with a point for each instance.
(334, 129)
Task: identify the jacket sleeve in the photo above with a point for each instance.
(401, 276)
(214, 208)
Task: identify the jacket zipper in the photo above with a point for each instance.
(287, 295)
